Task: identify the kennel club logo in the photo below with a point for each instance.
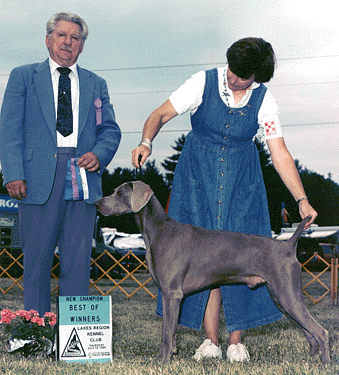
(85, 329)
(73, 347)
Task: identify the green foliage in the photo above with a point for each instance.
(323, 193)
(170, 163)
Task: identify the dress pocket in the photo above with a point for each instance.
(194, 203)
(249, 205)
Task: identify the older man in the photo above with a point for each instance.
(56, 122)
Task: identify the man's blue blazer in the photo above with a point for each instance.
(28, 141)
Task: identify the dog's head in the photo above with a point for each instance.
(127, 198)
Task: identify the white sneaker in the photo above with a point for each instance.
(237, 353)
(207, 350)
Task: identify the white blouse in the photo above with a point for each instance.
(188, 97)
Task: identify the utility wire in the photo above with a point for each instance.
(187, 130)
(202, 64)
(269, 85)
(190, 65)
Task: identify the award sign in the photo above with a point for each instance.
(85, 329)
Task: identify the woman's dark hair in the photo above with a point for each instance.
(250, 56)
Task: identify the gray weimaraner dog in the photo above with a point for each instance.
(178, 261)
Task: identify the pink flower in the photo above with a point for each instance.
(52, 322)
(21, 313)
(7, 316)
(24, 314)
(24, 324)
(50, 318)
(49, 315)
(39, 321)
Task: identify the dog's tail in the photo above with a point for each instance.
(299, 230)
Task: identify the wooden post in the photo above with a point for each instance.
(334, 280)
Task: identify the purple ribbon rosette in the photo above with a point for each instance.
(98, 105)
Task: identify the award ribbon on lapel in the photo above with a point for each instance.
(97, 105)
(76, 187)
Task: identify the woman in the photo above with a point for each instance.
(218, 182)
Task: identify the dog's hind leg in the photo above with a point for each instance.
(170, 305)
(288, 296)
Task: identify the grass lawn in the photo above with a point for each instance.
(278, 348)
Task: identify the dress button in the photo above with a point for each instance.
(221, 188)
(55, 155)
(222, 160)
(223, 148)
(222, 173)
(227, 125)
(218, 216)
(219, 202)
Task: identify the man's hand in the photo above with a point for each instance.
(89, 161)
(17, 189)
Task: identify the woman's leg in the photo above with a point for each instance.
(212, 315)
(211, 319)
(235, 338)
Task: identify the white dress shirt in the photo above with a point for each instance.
(188, 97)
(72, 139)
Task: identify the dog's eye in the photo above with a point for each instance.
(119, 193)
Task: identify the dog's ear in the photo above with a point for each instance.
(142, 193)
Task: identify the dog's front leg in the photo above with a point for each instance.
(170, 305)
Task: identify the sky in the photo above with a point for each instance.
(145, 49)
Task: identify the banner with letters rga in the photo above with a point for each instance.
(85, 329)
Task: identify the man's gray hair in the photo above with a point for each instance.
(69, 17)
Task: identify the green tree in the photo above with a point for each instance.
(323, 193)
(275, 188)
(170, 163)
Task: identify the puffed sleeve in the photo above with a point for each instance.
(188, 96)
(269, 117)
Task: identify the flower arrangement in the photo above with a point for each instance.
(28, 332)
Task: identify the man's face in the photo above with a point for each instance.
(65, 43)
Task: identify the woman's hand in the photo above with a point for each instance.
(153, 124)
(139, 156)
(305, 209)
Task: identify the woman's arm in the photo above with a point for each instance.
(285, 166)
(153, 124)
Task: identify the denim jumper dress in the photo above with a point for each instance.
(218, 184)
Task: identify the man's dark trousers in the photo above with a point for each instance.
(68, 224)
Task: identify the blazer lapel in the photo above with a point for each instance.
(43, 84)
(86, 86)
